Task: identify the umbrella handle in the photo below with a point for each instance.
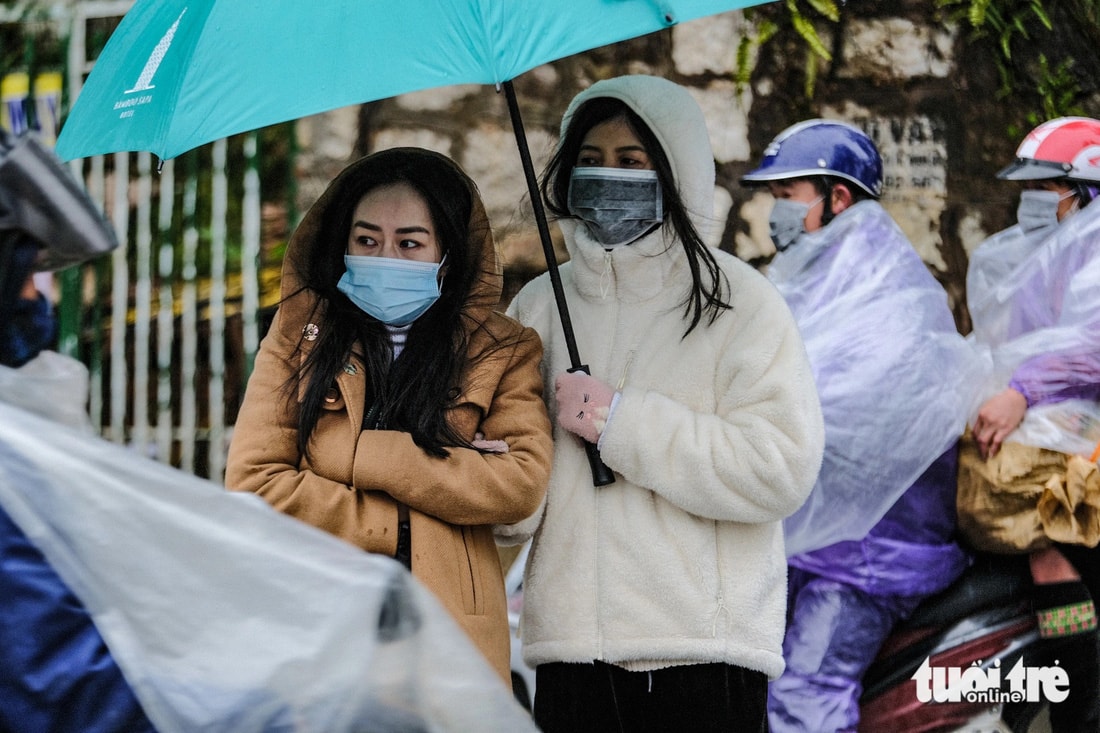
(601, 474)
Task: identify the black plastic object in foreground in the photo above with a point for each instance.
(41, 198)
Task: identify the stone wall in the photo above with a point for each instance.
(899, 72)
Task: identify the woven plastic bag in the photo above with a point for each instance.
(1026, 497)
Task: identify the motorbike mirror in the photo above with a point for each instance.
(40, 198)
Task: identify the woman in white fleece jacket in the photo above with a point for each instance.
(657, 602)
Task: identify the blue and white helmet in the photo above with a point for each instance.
(821, 148)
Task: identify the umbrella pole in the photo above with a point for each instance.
(601, 474)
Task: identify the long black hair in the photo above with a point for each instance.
(413, 392)
(708, 294)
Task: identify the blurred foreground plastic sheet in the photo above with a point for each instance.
(225, 615)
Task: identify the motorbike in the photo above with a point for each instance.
(969, 659)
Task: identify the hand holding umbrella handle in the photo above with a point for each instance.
(601, 474)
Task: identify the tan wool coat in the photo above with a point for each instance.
(353, 480)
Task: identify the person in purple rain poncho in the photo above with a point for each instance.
(877, 533)
(1034, 304)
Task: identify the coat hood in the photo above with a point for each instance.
(677, 121)
(311, 242)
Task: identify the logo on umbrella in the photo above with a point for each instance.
(144, 81)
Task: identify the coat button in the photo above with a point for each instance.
(332, 395)
(350, 368)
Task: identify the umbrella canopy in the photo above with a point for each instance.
(180, 73)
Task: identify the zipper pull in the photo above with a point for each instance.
(605, 276)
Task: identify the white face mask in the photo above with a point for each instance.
(1038, 210)
(618, 206)
(788, 221)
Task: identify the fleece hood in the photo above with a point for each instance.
(657, 261)
(677, 122)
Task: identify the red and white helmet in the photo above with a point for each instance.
(1065, 147)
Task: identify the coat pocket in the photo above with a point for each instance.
(470, 573)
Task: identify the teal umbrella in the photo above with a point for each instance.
(177, 74)
(180, 73)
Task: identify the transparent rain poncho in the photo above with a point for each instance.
(892, 372)
(1035, 306)
(225, 615)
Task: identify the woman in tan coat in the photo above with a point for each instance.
(390, 404)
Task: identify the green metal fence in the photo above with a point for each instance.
(169, 324)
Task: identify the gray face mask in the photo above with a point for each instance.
(1038, 210)
(788, 221)
(618, 206)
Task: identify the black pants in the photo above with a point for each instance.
(1086, 560)
(1080, 712)
(603, 698)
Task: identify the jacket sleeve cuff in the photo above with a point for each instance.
(1019, 387)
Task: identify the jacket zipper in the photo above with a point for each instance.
(599, 579)
(606, 275)
(720, 601)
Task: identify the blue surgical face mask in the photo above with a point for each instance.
(788, 221)
(1038, 210)
(617, 206)
(394, 291)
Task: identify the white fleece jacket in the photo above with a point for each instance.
(715, 439)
